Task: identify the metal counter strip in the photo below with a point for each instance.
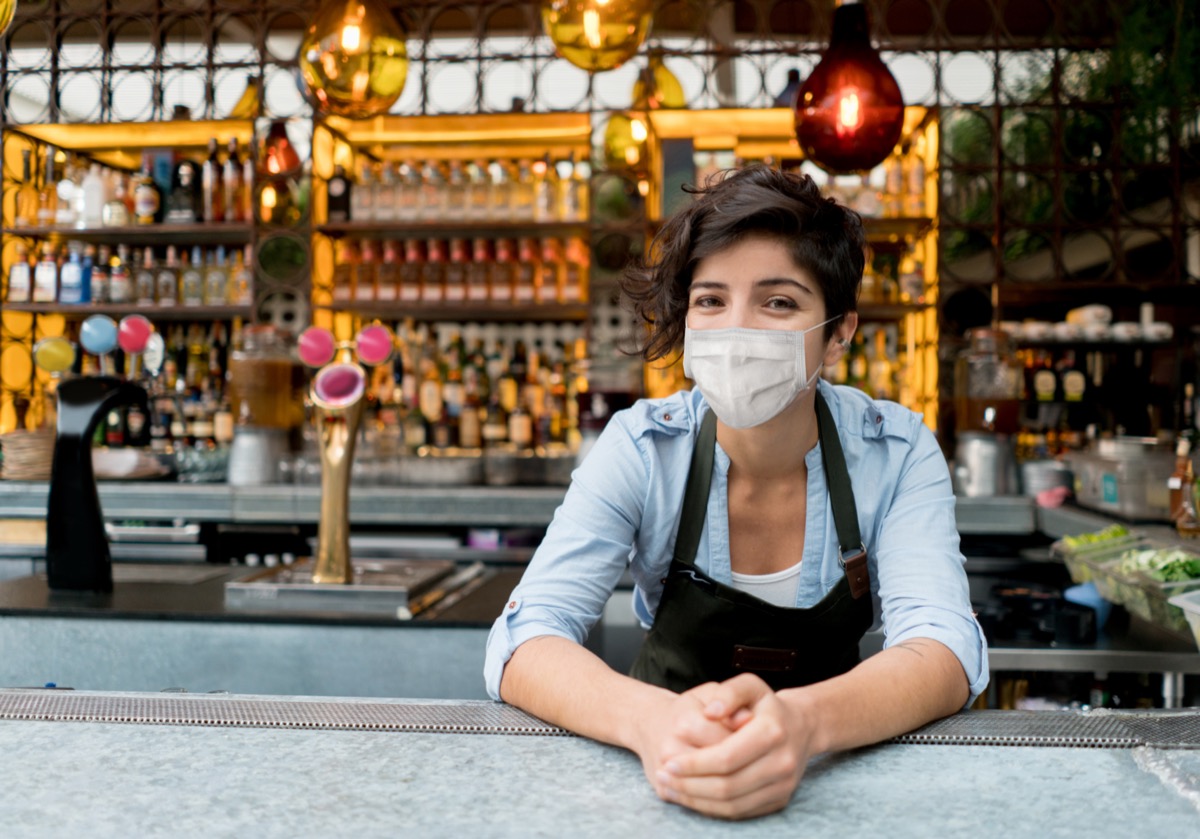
(466, 717)
(1086, 729)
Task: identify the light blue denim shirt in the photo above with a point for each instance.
(622, 510)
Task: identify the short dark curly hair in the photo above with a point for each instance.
(826, 239)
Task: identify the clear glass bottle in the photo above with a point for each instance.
(216, 279)
(145, 282)
(20, 275)
(988, 384)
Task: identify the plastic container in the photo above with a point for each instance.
(1189, 604)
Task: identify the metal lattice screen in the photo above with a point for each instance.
(1069, 155)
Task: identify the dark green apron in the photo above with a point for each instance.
(705, 631)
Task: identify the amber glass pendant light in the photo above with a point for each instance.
(597, 35)
(849, 111)
(7, 9)
(353, 59)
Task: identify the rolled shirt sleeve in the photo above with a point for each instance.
(922, 582)
(587, 547)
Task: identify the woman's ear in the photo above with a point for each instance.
(842, 336)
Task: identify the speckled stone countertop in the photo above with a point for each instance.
(102, 779)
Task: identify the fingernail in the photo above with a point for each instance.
(670, 794)
(672, 767)
(664, 776)
(715, 708)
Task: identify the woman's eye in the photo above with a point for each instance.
(781, 303)
(705, 302)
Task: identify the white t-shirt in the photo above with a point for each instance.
(779, 588)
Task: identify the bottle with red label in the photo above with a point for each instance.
(455, 279)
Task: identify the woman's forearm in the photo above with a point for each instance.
(565, 684)
(890, 693)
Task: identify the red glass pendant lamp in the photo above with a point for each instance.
(849, 111)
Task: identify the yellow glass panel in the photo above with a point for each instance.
(16, 367)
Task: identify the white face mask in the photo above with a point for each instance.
(748, 376)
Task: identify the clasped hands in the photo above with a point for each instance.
(731, 750)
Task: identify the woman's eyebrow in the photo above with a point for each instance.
(708, 284)
(778, 281)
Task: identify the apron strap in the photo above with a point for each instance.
(695, 497)
(852, 554)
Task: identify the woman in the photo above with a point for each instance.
(767, 519)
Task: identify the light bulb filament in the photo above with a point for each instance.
(351, 37)
(849, 113)
(591, 29)
(637, 130)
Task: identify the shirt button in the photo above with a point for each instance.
(878, 419)
(512, 604)
(666, 417)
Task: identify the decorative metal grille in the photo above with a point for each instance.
(1070, 156)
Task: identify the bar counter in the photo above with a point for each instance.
(166, 764)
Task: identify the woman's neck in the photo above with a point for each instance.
(777, 448)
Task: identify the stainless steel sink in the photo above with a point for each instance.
(388, 587)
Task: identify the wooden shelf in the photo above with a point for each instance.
(888, 311)
(144, 234)
(507, 312)
(81, 310)
(452, 229)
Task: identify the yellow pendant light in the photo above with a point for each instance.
(7, 9)
(353, 59)
(597, 35)
(657, 86)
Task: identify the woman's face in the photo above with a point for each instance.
(755, 284)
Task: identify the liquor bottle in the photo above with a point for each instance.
(501, 191)
(71, 282)
(147, 198)
(411, 270)
(116, 209)
(279, 155)
(48, 195)
(573, 188)
(45, 276)
(456, 191)
(575, 274)
(495, 423)
(191, 278)
(545, 191)
(339, 195)
(344, 270)
(528, 272)
(1072, 380)
(455, 284)
(479, 194)
(26, 211)
(893, 190)
(433, 272)
(387, 277)
(408, 192)
(168, 279)
(478, 271)
(912, 280)
(212, 185)
(248, 180)
(65, 189)
(550, 285)
(857, 365)
(241, 277)
(1183, 457)
(145, 279)
(520, 427)
(216, 279)
(503, 272)
(20, 276)
(1045, 381)
(523, 192)
(94, 197)
(433, 192)
(1185, 516)
(914, 177)
(362, 197)
(364, 284)
(101, 285)
(882, 370)
(231, 181)
(120, 286)
(385, 194)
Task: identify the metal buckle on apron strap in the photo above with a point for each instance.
(854, 564)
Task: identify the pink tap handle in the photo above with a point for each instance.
(374, 345)
(339, 385)
(133, 333)
(316, 346)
